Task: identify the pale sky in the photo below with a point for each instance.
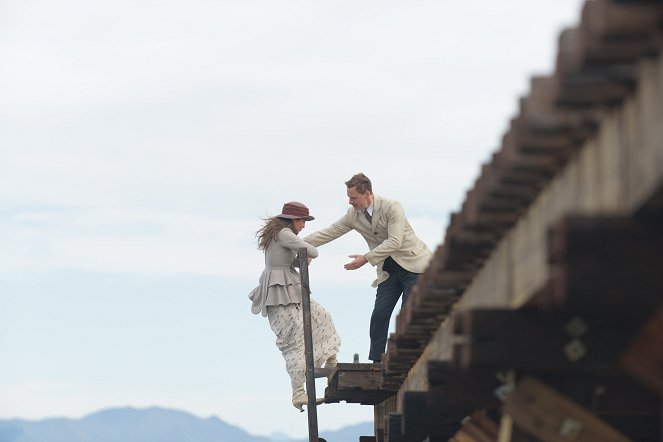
(141, 143)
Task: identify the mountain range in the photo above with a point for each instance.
(153, 424)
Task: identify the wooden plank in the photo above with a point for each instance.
(548, 416)
(393, 428)
(605, 395)
(606, 266)
(357, 383)
(644, 357)
(485, 424)
(477, 427)
(471, 433)
(454, 394)
(465, 390)
(498, 339)
(415, 417)
(619, 400)
(614, 33)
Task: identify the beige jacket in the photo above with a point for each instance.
(389, 234)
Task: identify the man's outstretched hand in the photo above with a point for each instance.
(357, 262)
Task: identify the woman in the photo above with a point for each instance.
(279, 297)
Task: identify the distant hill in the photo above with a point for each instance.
(347, 434)
(146, 425)
(126, 425)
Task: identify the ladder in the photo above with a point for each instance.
(311, 372)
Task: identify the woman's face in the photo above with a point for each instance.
(299, 224)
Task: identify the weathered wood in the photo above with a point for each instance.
(471, 433)
(498, 339)
(477, 428)
(644, 357)
(619, 400)
(584, 158)
(606, 266)
(485, 424)
(454, 394)
(367, 439)
(393, 427)
(605, 395)
(614, 33)
(415, 424)
(543, 413)
(308, 347)
(357, 383)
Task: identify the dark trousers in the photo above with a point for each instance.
(400, 281)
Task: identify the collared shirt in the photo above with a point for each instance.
(369, 209)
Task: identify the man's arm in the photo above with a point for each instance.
(336, 230)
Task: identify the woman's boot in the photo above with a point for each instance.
(331, 362)
(300, 398)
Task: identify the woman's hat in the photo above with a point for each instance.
(295, 210)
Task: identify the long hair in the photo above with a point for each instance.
(273, 225)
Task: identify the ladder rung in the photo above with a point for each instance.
(322, 372)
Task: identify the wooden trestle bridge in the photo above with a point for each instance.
(540, 316)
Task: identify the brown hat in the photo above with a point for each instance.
(295, 210)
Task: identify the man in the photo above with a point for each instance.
(397, 253)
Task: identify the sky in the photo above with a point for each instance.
(142, 143)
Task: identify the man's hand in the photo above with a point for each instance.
(357, 262)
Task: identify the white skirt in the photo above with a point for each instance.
(287, 323)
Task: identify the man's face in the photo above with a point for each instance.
(358, 200)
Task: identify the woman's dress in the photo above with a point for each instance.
(279, 295)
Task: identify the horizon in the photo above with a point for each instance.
(276, 435)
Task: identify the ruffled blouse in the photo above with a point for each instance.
(280, 283)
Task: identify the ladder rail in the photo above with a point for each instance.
(308, 348)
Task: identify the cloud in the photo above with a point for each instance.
(116, 241)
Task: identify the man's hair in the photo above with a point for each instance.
(361, 182)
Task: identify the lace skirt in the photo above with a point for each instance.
(287, 323)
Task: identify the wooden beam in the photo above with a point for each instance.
(619, 400)
(619, 33)
(463, 390)
(644, 357)
(499, 339)
(393, 428)
(478, 427)
(606, 266)
(415, 423)
(548, 416)
(454, 394)
(357, 383)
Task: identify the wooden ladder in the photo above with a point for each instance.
(311, 371)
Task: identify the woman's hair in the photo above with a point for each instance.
(272, 227)
(361, 182)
